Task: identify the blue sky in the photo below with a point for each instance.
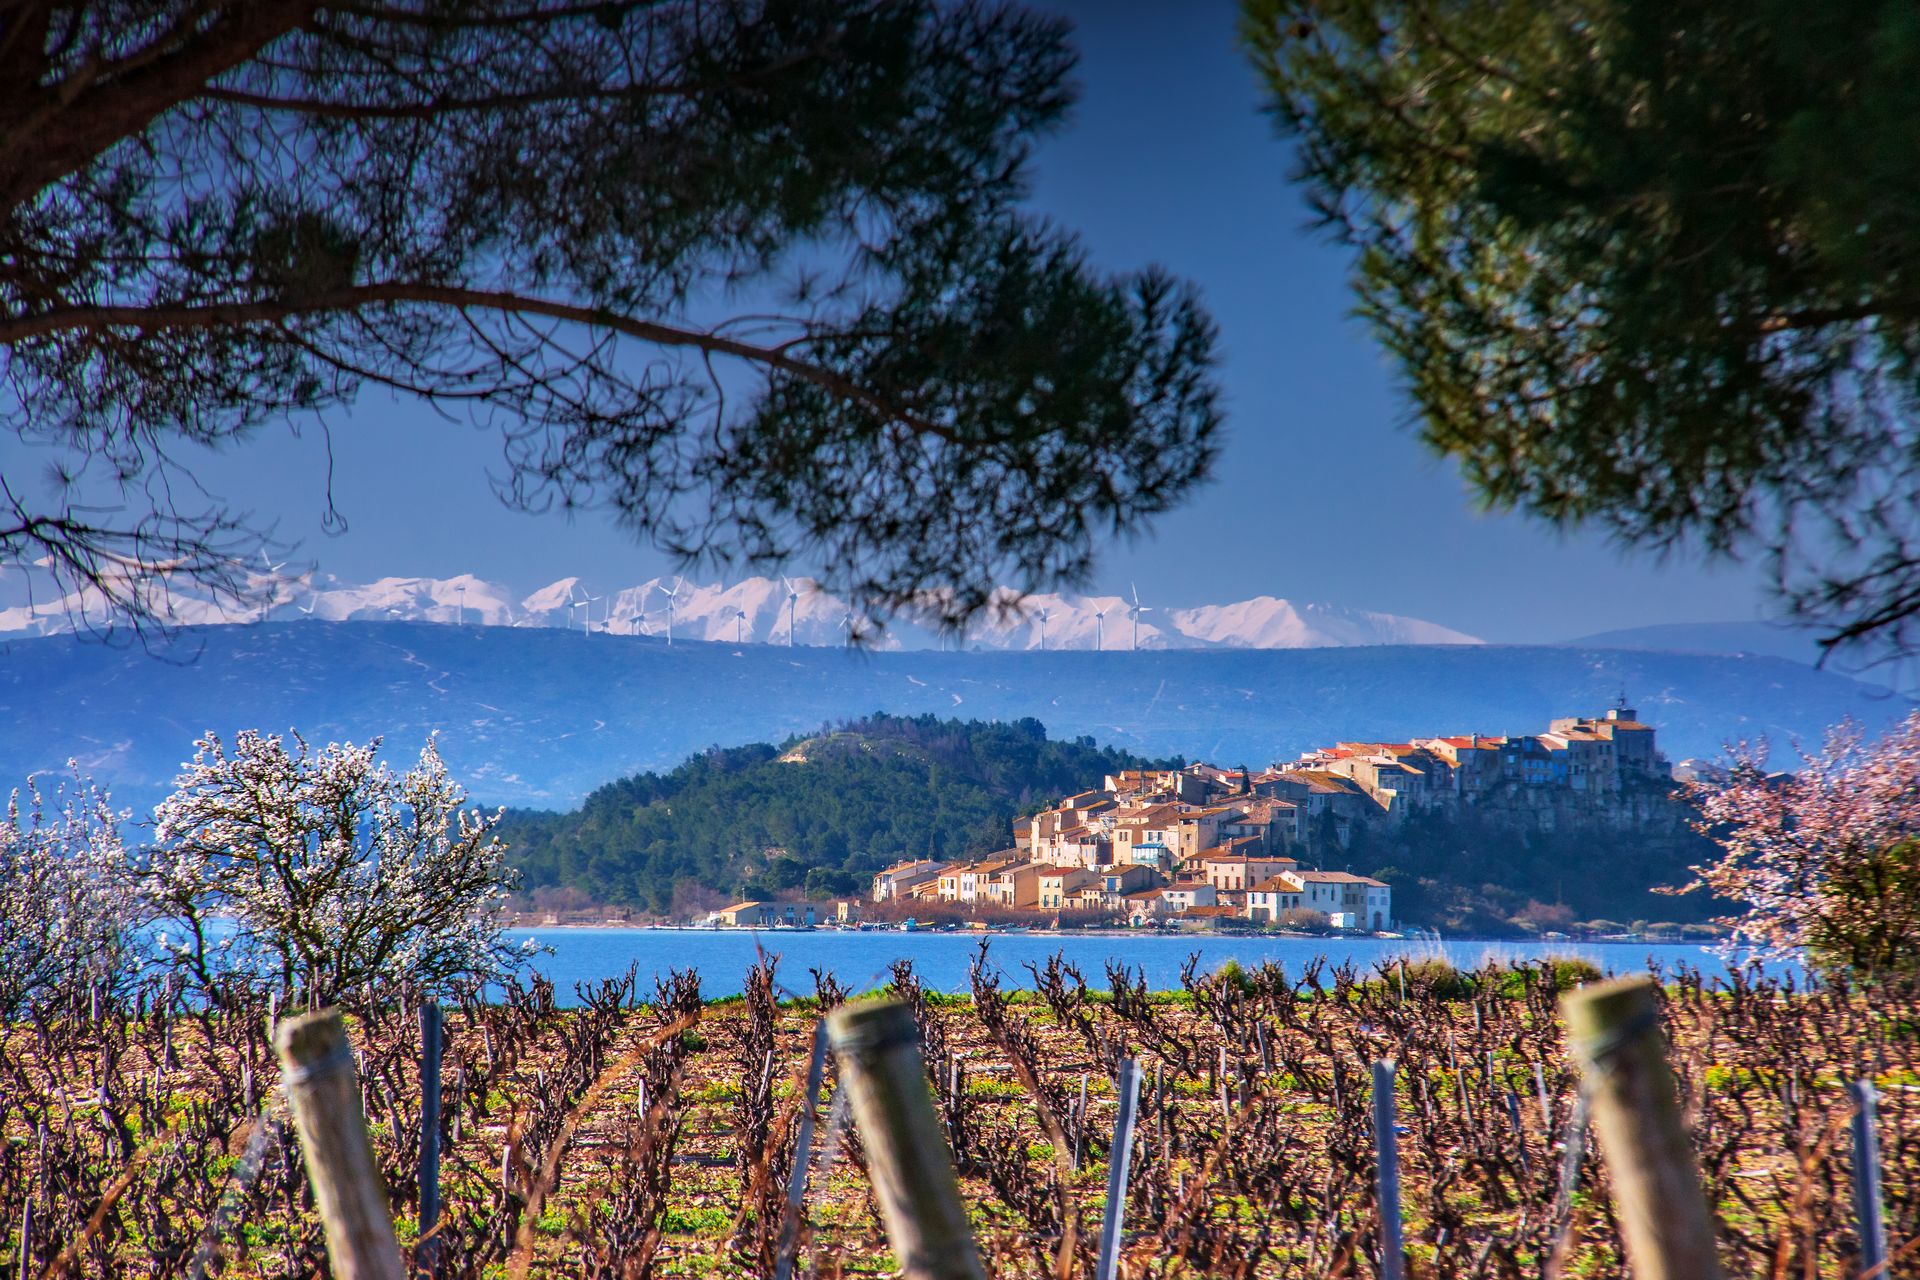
(1322, 494)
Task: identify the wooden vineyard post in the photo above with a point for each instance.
(1614, 1030)
(1866, 1180)
(430, 1054)
(877, 1046)
(318, 1076)
(1386, 1148)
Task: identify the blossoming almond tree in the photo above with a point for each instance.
(70, 909)
(1825, 861)
(324, 871)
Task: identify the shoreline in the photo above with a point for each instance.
(1174, 934)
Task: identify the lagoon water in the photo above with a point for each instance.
(860, 960)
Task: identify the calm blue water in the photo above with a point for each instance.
(860, 960)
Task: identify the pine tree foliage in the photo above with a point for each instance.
(1645, 263)
(751, 277)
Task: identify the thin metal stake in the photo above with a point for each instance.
(1118, 1160)
(1080, 1124)
(1386, 1145)
(431, 1043)
(1519, 1131)
(1867, 1212)
(1570, 1161)
(802, 1155)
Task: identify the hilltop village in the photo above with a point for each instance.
(1202, 846)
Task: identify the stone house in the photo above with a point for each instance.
(1056, 884)
(764, 915)
(899, 880)
(1266, 900)
(1364, 902)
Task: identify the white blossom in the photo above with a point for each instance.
(70, 908)
(324, 871)
(1827, 859)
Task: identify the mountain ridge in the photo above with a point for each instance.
(756, 610)
(537, 716)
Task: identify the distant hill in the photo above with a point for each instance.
(821, 813)
(1709, 637)
(540, 717)
(1797, 644)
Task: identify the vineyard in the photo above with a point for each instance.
(641, 1131)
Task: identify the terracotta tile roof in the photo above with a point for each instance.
(1322, 780)
(1336, 877)
(912, 863)
(1236, 850)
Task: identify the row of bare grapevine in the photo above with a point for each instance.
(143, 1134)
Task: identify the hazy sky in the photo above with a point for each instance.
(1322, 494)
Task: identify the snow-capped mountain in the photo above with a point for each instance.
(762, 611)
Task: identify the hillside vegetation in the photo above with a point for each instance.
(819, 814)
(1497, 871)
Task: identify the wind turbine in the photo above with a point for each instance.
(1099, 629)
(739, 623)
(577, 601)
(793, 595)
(1135, 612)
(273, 571)
(308, 608)
(462, 615)
(677, 584)
(1044, 615)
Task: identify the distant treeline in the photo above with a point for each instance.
(818, 814)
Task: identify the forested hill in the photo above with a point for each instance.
(820, 813)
